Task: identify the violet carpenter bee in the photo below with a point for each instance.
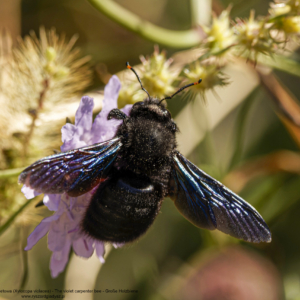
(134, 172)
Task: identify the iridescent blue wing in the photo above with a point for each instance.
(207, 203)
(74, 172)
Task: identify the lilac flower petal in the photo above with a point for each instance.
(83, 247)
(100, 251)
(67, 132)
(72, 144)
(74, 200)
(39, 231)
(84, 114)
(78, 135)
(59, 259)
(57, 234)
(126, 109)
(102, 128)
(52, 201)
(28, 192)
(108, 131)
(111, 94)
(109, 127)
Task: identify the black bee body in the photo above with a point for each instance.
(134, 172)
(122, 209)
(125, 206)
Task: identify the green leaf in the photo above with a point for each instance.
(241, 123)
(280, 62)
(284, 194)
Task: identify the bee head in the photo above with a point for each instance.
(149, 133)
(151, 107)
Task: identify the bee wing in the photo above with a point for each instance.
(207, 203)
(74, 172)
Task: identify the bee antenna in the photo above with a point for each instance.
(137, 76)
(181, 89)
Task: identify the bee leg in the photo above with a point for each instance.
(117, 114)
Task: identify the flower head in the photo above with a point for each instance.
(48, 60)
(288, 25)
(291, 25)
(284, 18)
(34, 74)
(220, 34)
(157, 79)
(253, 36)
(209, 73)
(130, 94)
(63, 227)
(281, 7)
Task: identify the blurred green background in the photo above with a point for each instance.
(250, 143)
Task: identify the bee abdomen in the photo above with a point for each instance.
(122, 209)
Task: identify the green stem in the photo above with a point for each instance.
(156, 34)
(23, 241)
(207, 55)
(35, 116)
(10, 172)
(200, 12)
(12, 218)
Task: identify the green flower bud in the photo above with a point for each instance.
(50, 68)
(61, 72)
(50, 54)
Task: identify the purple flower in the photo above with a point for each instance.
(63, 227)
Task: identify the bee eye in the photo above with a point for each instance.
(139, 103)
(174, 127)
